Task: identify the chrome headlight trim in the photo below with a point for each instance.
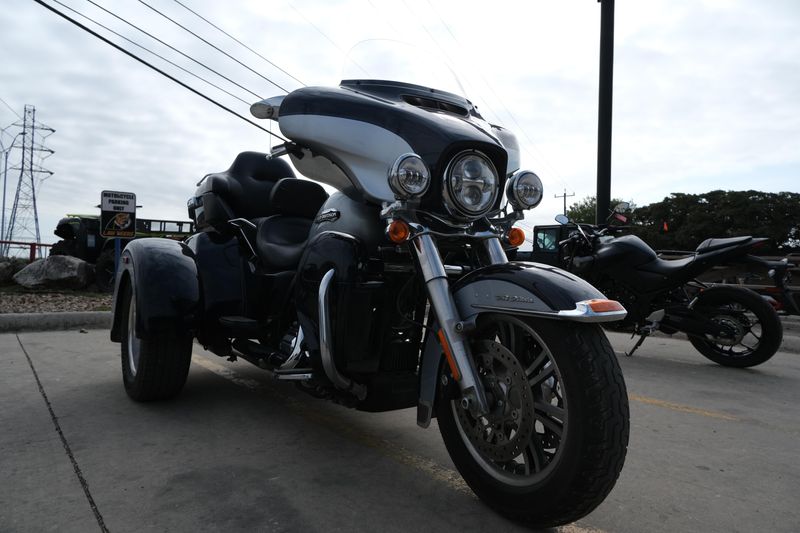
(524, 190)
(454, 205)
(409, 176)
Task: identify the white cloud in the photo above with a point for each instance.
(705, 92)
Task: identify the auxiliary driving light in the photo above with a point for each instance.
(524, 190)
(409, 177)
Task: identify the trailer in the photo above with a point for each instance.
(81, 238)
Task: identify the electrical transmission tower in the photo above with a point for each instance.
(23, 224)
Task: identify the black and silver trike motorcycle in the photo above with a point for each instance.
(730, 325)
(394, 291)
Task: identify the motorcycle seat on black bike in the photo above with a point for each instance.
(281, 237)
(667, 267)
(709, 245)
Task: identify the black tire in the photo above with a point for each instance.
(759, 334)
(154, 368)
(557, 478)
(104, 270)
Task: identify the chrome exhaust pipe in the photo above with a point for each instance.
(341, 382)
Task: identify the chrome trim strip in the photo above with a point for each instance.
(451, 270)
(341, 382)
(294, 377)
(574, 315)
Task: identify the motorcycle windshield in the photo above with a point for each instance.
(393, 101)
(396, 61)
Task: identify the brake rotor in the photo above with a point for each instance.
(735, 326)
(505, 432)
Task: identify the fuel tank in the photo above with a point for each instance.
(342, 214)
(627, 249)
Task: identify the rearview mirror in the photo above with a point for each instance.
(562, 219)
(622, 206)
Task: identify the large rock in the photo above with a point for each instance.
(8, 267)
(57, 271)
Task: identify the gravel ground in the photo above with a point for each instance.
(49, 302)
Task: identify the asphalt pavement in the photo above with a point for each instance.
(712, 449)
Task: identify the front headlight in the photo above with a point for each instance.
(409, 177)
(470, 185)
(524, 190)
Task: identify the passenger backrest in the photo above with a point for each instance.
(242, 191)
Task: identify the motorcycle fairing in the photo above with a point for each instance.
(364, 124)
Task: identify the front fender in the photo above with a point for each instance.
(163, 277)
(533, 289)
(518, 288)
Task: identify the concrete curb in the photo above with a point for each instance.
(11, 322)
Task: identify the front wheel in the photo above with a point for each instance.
(756, 329)
(153, 368)
(554, 443)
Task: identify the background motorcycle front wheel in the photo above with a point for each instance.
(758, 329)
(553, 446)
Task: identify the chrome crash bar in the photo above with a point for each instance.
(341, 382)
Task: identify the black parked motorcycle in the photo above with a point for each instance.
(394, 291)
(732, 326)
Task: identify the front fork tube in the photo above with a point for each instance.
(438, 287)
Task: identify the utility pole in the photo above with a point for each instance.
(604, 110)
(23, 223)
(564, 196)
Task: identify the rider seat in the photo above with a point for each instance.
(281, 237)
(242, 191)
(709, 245)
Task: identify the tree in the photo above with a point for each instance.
(692, 218)
(584, 210)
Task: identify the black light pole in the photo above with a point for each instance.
(604, 110)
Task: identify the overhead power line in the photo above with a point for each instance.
(134, 26)
(166, 75)
(10, 108)
(201, 17)
(212, 45)
(187, 71)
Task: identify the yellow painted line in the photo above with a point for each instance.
(680, 407)
(444, 475)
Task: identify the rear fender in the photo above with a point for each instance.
(522, 289)
(163, 276)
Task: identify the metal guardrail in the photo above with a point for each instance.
(32, 246)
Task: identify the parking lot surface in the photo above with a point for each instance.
(711, 449)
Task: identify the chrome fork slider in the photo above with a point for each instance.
(444, 306)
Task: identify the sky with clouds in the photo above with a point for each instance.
(705, 91)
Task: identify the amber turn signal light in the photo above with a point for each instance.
(605, 306)
(515, 236)
(398, 231)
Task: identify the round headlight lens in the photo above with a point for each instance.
(409, 177)
(471, 184)
(524, 190)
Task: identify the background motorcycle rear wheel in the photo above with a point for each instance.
(553, 449)
(153, 368)
(759, 329)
